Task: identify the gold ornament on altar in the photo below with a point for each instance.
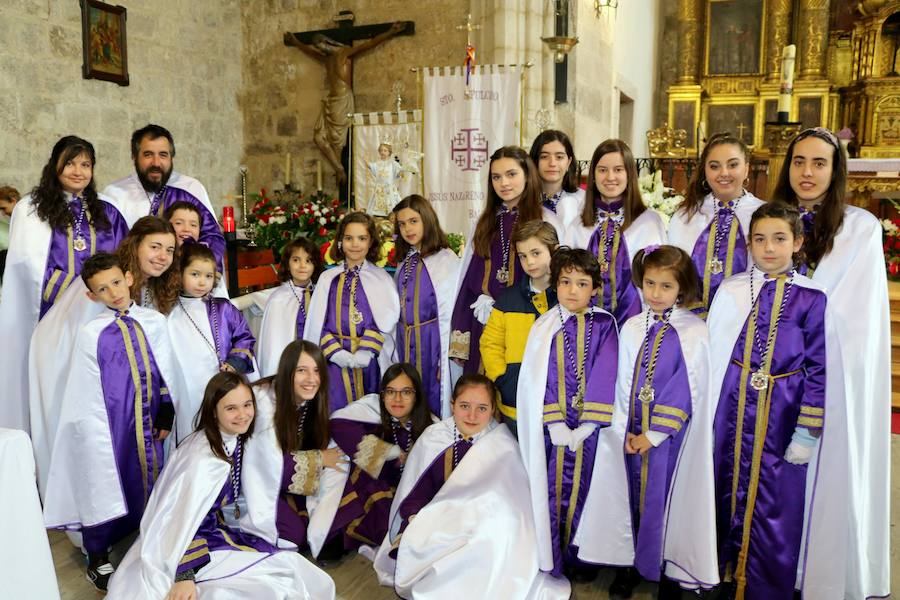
(666, 142)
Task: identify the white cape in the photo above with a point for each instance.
(684, 233)
(606, 504)
(647, 229)
(854, 275)
(129, 197)
(183, 496)
(569, 207)
(264, 462)
(279, 326)
(443, 270)
(824, 545)
(689, 549)
(83, 485)
(477, 528)
(381, 292)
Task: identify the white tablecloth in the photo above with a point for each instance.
(26, 566)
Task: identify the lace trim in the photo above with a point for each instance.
(459, 344)
(305, 480)
(371, 454)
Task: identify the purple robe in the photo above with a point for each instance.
(64, 262)
(365, 507)
(650, 476)
(759, 495)
(233, 338)
(291, 515)
(419, 328)
(481, 278)
(304, 294)
(213, 534)
(340, 333)
(134, 393)
(210, 235)
(732, 253)
(569, 473)
(617, 292)
(429, 484)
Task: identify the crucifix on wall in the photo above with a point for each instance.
(334, 48)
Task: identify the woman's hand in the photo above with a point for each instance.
(333, 458)
(183, 590)
(402, 458)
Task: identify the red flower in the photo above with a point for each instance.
(324, 249)
(392, 257)
(896, 245)
(894, 268)
(264, 218)
(311, 219)
(322, 231)
(262, 191)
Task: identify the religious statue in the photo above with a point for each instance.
(330, 132)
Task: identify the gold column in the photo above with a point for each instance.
(777, 36)
(690, 41)
(778, 137)
(813, 38)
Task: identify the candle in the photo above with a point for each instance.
(287, 169)
(319, 175)
(228, 219)
(787, 83)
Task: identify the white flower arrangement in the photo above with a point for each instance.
(657, 196)
(890, 227)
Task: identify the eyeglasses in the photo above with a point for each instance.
(406, 393)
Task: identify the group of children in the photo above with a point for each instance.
(667, 390)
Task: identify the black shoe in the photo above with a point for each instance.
(99, 575)
(668, 589)
(332, 550)
(627, 578)
(585, 574)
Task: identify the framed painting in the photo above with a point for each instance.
(734, 37)
(103, 36)
(737, 119)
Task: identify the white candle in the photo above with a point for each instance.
(318, 175)
(287, 169)
(787, 78)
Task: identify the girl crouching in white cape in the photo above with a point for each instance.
(186, 550)
(462, 511)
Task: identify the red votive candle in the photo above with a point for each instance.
(228, 219)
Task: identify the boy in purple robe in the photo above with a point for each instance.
(115, 415)
(768, 332)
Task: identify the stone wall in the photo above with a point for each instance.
(184, 61)
(284, 88)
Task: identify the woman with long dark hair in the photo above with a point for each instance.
(557, 167)
(54, 229)
(377, 432)
(193, 539)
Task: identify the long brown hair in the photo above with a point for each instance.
(420, 416)
(48, 197)
(374, 253)
(673, 259)
(164, 288)
(316, 432)
(570, 179)
(830, 214)
(433, 237)
(698, 187)
(308, 246)
(219, 385)
(632, 201)
(529, 205)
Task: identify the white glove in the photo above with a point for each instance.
(343, 359)
(482, 308)
(560, 435)
(581, 433)
(798, 454)
(361, 359)
(393, 453)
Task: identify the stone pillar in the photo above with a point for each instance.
(778, 32)
(813, 38)
(690, 46)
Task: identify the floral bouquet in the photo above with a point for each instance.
(657, 196)
(277, 221)
(891, 229)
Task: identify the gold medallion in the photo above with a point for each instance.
(646, 393)
(502, 275)
(759, 380)
(355, 316)
(715, 266)
(578, 400)
(604, 266)
(79, 244)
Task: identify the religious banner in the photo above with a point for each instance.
(462, 129)
(387, 159)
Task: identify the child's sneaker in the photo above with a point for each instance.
(99, 575)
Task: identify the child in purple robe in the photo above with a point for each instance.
(286, 309)
(377, 432)
(614, 225)
(354, 312)
(208, 334)
(193, 540)
(712, 223)
(489, 262)
(426, 281)
(294, 430)
(566, 394)
(116, 412)
(767, 328)
(663, 388)
(506, 332)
